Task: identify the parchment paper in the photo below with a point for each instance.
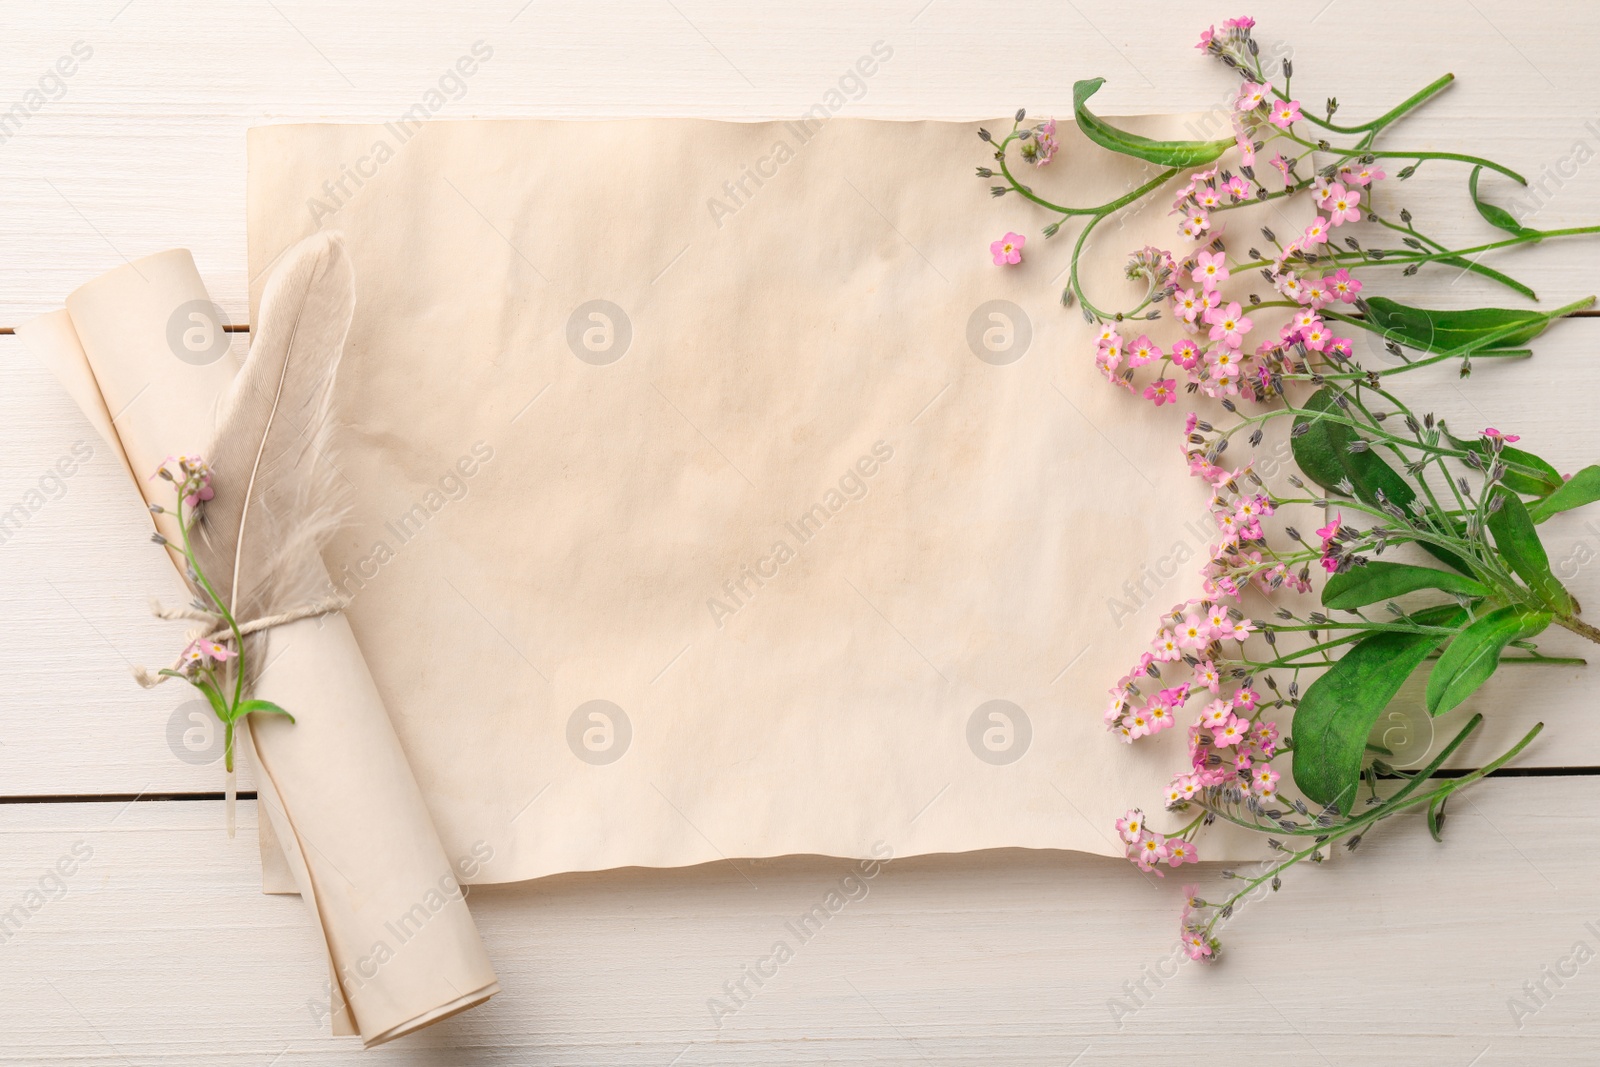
(140, 350)
(718, 497)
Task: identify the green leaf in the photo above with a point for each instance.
(1338, 711)
(1379, 580)
(1475, 267)
(1446, 331)
(266, 707)
(1162, 153)
(1318, 449)
(218, 705)
(1536, 476)
(1583, 488)
(1474, 654)
(1322, 451)
(1496, 216)
(1519, 544)
(1436, 816)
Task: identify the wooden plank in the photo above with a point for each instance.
(145, 148)
(80, 571)
(157, 948)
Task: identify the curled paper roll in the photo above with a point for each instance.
(142, 353)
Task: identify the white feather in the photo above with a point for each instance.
(279, 495)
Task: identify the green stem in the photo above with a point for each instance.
(1400, 801)
(1388, 117)
(238, 638)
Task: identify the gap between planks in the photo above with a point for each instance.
(244, 327)
(130, 798)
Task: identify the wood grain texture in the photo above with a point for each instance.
(160, 949)
(1405, 952)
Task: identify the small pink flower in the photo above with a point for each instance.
(1252, 96)
(1229, 324)
(1206, 676)
(201, 650)
(1046, 143)
(1316, 233)
(1149, 852)
(1181, 852)
(1008, 249)
(1211, 269)
(1193, 632)
(1495, 435)
(1195, 226)
(1216, 713)
(1329, 533)
(1186, 354)
(1247, 147)
(1110, 353)
(1285, 113)
(1343, 205)
(1314, 293)
(1206, 36)
(1131, 827)
(1281, 165)
(1187, 305)
(1238, 629)
(1142, 351)
(1230, 733)
(1162, 391)
(1364, 177)
(1343, 286)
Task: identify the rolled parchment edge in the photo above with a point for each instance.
(340, 769)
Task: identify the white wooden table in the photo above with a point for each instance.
(158, 947)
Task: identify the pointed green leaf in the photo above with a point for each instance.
(1379, 580)
(214, 698)
(1338, 711)
(1527, 473)
(1519, 544)
(1582, 488)
(1436, 816)
(1495, 216)
(266, 707)
(1319, 447)
(1162, 153)
(1474, 654)
(1446, 331)
(1322, 451)
(1462, 263)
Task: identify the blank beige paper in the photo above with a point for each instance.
(716, 496)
